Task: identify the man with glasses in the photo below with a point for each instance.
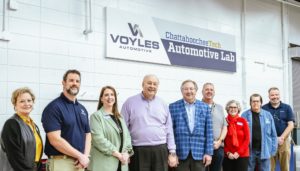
(219, 126)
(263, 141)
(192, 127)
(284, 123)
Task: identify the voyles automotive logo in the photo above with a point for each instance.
(135, 30)
(136, 41)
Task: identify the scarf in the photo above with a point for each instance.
(232, 120)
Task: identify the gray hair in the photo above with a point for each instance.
(231, 102)
(206, 84)
(189, 81)
(150, 75)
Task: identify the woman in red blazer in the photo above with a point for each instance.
(236, 143)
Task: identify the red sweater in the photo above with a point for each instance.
(243, 136)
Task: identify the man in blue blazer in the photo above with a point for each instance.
(192, 125)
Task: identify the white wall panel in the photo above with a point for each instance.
(99, 12)
(24, 42)
(78, 7)
(3, 73)
(31, 2)
(3, 88)
(51, 76)
(81, 50)
(3, 56)
(49, 92)
(27, 12)
(82, 64)
(55, 31)
(3, 105)
(23, 58)
(53, 61)
(57, 5)
(26, 27)
(20, 74)
(77, 21)
(54, 46)
(54, 17)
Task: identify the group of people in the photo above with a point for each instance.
(147, 135)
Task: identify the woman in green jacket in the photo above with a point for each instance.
(111, 142)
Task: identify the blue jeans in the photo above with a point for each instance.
(263, 164)
(217, 160)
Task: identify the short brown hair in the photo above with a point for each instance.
(71, 71)
(20, 91)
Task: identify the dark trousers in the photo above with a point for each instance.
(189, 164)
(240, 164)
(149, 158)
(217, 160)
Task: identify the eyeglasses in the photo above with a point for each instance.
(232, 107)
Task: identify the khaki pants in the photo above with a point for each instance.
(63, 164)
(283, 156)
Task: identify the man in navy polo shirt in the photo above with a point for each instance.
(284, 123)
(66, 124)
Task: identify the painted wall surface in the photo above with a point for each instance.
(46, 39)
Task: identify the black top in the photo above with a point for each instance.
(256, 132)
(19, 144)
(118, 123)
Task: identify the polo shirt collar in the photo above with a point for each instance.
(67, 100)
(280, 105)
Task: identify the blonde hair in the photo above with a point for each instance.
(20, 91)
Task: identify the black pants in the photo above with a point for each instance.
(189, 164)
(149, 158)
(240, 164)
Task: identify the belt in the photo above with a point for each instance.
(60, 157)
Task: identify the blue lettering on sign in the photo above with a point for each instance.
(134, 41)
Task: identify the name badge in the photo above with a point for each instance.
(106, 117)
(268, 121)
(239, 123)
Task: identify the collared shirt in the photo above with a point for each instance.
(149, 121)
(71, 118)
(281, 115)
(198, 142)
(38, 141)
(268, 133)
(190, 110)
